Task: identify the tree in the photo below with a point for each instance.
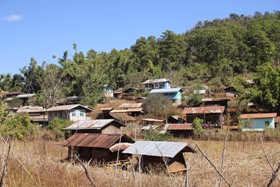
(52, 85)
(158, 105)
(266, 88)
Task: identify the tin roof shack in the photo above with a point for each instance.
(69, 112)
(101, 126)
(96, 147)
(221, 101)
(183, 130)
(17, 99)
(156, 84)
(257, 122)
(123, 117)
(132, 111)
(212, 115)
(175, 94)
(155, 154)
(37, 114)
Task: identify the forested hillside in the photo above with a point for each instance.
(215, 53)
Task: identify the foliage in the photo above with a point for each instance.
(56, 126)
(154, 135)
(194, 100)
(213, 52)
(158, 105)
(19, 127)
(197, 125)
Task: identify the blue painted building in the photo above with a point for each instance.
(257, 122)
(157, 84)
(175, 94)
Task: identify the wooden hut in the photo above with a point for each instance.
(159, 155)
(96, 147)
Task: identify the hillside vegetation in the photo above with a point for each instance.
(219, 53)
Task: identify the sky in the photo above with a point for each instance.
(43, 28)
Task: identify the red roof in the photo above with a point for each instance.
(258, 116)
(204, 110)
(96, 140)
(184, 126)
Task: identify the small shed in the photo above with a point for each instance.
(155, 154)
(102, 126)
(96, 147)
(183, 130)
(257, 122)
(212, 115)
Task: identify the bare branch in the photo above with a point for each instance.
(86, 171)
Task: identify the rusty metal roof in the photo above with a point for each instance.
(91, 124)
(128, 110)
(122, 117)
(215, 99)
(32, 109)
(183, 126)
(130, 105)
(258, 116)
(152, 120)
(204, 110)
(158, 148)
(66, 107)
(96, 140)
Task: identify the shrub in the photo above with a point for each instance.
(19, 127)
(154, 135)
(197, 125)
(157, 105)
(56, 126)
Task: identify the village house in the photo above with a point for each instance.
(257, 122)
(108, 91)
(181, 130)
(174, 94)
(102, 126)
(17, 99)
(156, 84)
(96, 147)
(212, 116)
(37, 114)
(69, 112)
(162, 156)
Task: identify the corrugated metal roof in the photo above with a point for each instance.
(215, 99)
(204, 110)
(149, 81)
(90, 124)
(166, 90)
(130, 105)
(257, 116)
(106, 108)
(66, 107)
(96, 140)
(184, 126)
(33, 109)
(157, 148)
(128, 110)
(24, 95)
(122, 117)
(120, 147)
(152, 120)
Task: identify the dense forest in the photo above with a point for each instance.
(218, 53)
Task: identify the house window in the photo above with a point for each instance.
(82, 113)
(73, 113)
(266, 123)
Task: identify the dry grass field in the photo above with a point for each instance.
(41, 163)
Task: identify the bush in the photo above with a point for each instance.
(197, 125)
(19, 127)
(154, 135)
(56, 126)
(158, 105)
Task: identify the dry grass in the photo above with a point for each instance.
(244, 165)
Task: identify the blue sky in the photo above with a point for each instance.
(43, 28)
